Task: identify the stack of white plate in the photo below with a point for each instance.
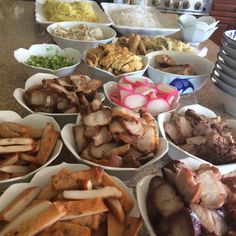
(224, 74)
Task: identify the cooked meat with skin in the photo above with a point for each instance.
(164, 60)
(134, 128)
(125, 113)
(80, 140)
(103, 136)
(179, 70)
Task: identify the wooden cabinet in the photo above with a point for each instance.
(225, 12)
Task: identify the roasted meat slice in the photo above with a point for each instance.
(99, 152)
(134, 128)
(80, 140)
(125, 113)
(103, 136)
(172, 132)
(179, 70)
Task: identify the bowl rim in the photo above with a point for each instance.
(52, 26)
(228, 37)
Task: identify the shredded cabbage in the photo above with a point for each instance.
(75, 11)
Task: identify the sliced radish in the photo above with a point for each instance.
(165, 88)
(156, 106)
(135, 100)
(140, 84)
(133, 80)
(145, 90)
(152, 95)
(170, 98)
(123, 80)
(125, 87)
(116, 100)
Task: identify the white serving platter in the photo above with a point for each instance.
(169, 26)
(41, 18)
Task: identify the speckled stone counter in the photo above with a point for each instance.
(19, 29)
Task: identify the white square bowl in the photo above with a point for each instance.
(36, 121)
(177, 153)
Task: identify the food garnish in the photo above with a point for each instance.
(207, 138)
(71, 203)
(50, 62)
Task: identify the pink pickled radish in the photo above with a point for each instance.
(145, 90)
(123, 80)
(125, 87)
(116, 100)
(166, 89)
(156, 106)
(140, 83)
(133, 80)
(152, 95)
(135, 100)
(170, 98)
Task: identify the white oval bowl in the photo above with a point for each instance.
(22, 55)
(122, 173)
(36, 121)
(106, 76)
(81, 45)
(227, 60)
(43, 178)
(110, 87)
(202, 66)
(61, 118)
(143, 186)
(177, 153)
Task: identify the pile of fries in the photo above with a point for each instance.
(116, 137)
(24, 148)
(87, 202)
(141, 45)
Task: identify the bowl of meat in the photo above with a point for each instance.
(187, 72)
(118, 139)
(188, 197)
(109, 62)
(27, 145)
(58, 97)
(198, 132)
(48, 58)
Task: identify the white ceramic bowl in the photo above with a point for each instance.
(223, 67)
(230, 37)
(106, 76)
(227, 100)
(81, 45)
(22, 55)
(122, 173)
(110, 87)
(41, 18)
(36, 121)
(43, 178)
(195, 34)
(61, 118)
(224, 77)
(184, 83)
(223, 85)
(177, 153)
(169, 26)
(143, 186)
(227, 60)
(231, 52)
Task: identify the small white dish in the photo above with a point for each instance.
(81, 45)
(43, 178)
(143, 186)
(22, 55)
(169, 26)
(177, 153)
(122, 173)
(36, 121)
(110, 87)
(62, 118)
(184, 83)
(106, 76)
(41, 18)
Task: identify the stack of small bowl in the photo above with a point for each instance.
(196, 30)
(224, 73)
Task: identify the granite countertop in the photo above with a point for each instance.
(19, 29)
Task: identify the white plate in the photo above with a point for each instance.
(45, 50)
(169, 26)
(41, 19)
(43, 178)
(122, 173)
(36, 121)
(177, 153)
(143, 186)
(110, 87)
(106, 76)
(62, 118)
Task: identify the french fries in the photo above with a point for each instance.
(24, 148)
(54, 210)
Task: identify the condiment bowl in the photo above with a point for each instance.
(184, 83)
(78, 44)
(230, 37)
(45, 50)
